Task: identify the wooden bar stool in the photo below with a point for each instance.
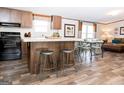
(47, 63)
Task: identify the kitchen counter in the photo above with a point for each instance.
(50, 40)
(55, 40)
(35, 45)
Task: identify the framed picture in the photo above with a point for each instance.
(69, 30)
(121, 30)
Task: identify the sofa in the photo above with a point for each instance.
(117, 45)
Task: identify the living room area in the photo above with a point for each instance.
(113, 35)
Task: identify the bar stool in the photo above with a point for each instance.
(47, 63)
(66, 62)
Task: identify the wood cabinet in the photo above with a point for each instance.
(34, 47)
(56, 22)
(24, 48)
(4, 15)
(26, 19)
(16, 16)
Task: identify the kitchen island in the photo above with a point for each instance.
(35, 45)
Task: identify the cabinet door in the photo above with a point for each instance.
(4, 15)
(24, 48)
(56, 22)
(26, 20)
(15, 16)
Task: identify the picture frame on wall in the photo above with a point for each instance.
(121, 30)
(69, 30)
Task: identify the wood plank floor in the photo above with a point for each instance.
(107, 70)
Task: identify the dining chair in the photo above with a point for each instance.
(97, 48)
(84, 48)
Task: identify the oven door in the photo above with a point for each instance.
(1, 43)
(10, 48)
(10, 54)
(9, 43)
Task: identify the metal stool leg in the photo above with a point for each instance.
(63, 67)
(41, 75)
(45, 64)
(91, 55)
(73, 55)
(55, 65)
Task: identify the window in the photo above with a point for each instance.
(41, 25)
(88, 31)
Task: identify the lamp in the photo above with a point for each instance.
(106, 35)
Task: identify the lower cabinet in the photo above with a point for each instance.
(24, 48)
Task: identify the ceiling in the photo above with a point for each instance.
(94, 14)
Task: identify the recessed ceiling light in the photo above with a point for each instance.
(114, 12)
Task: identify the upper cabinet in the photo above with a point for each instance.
(56, 22)
(16, 16)
(4, 15)
(26, 19)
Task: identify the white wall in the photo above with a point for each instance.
(100, 28)
(114, 26)
(39, 34)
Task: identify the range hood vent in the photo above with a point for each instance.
(5, 24)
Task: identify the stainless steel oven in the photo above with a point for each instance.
(10, 45)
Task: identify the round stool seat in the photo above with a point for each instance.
(67, 50)
(48, 52)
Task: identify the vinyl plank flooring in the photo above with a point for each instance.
(102, 71)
